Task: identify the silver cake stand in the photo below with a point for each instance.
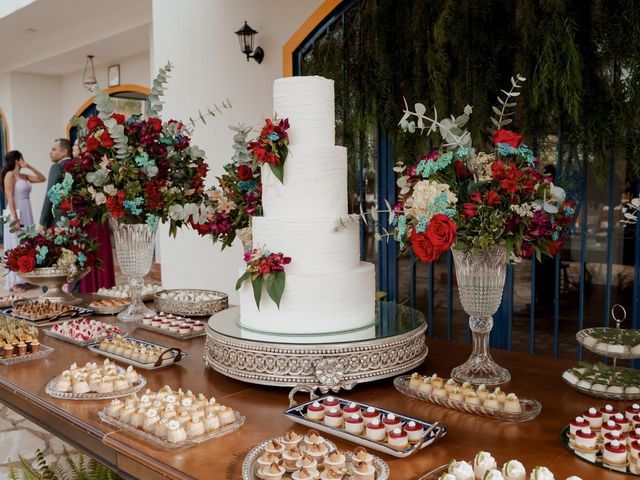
(394, 344)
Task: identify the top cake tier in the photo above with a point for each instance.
(308, 103)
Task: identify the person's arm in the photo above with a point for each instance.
(37, 177)
(9, 185)
(46, 216)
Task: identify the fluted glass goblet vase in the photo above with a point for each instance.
(134, 246)
(481, 276)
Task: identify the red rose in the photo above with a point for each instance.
(118, 117)
(106, 140)
(555, 246)
(26, 264)
(461, 169)
(476, 197)
(244, 172)
(469, 209)
(423, 248)
(441, 232)
(92, 144)
(505, 136)
(93, 123)
(493, 198)
(156, 124)
(66, 205)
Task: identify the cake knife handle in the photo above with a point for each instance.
(311, 389)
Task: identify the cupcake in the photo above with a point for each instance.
(398, 438)
(514, 470)
(333, 417)
(330, 402)
(335, 460)
(315, 412)
(370, 414)
(512, 404)
(354, 424)
(351, 409)
(390, 422)
(594, 417)
(461, 470)
(414, 431)
(375, 431)
(482, 463)
(415, 381)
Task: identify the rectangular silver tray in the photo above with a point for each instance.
(78, 343)
(43, 353)
(296, 414)
(75, 312)
(172, 446)
(176, 355)
(188, 336)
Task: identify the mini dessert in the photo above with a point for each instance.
(450, 385)
(331, 402)
(274, 447)
(514, 470)
(354, 424)
(440, 392)
(633, 436)
(211, 422)
(512, 404)
(351, 408)
(621, 420)
(290, 457)
(307, 463)
(361, 455)
(634, 452)
(36, 309)
(576, 424)
(315, 412)
(114, 408)
(370, 414)
(426, 386)
(594, 417)
(500, 395)
(363, 471)
(333, 417)
(317, 452)
(175, 432)
(615, 435)
(198, 326)
(391, 422)
(541, 473)
(436, 381)
(150, 420)
(290, 440)
(332, 474)
(335, 460)
(414, 431)
(615, 454)
(312, 437)
(491, 402)
(376, 431)
(482, 463)
(461, 470)
(273, 472)
(456, 395)
(610, 426)
(586, 444)
(482, 392)
(607, 412)
(398, 438)
(472, 398)
(493, 474)
(92, 378)
(266, 459)
(304, 474)
(632, 410)
(416, 380)
(226, 415)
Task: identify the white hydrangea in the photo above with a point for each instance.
(481, 166)
(423, 197)
(67, 258)
(525, 209)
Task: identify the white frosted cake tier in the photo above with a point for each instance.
(315, 246)
(317, 303)
(315, 184)
(308, 103)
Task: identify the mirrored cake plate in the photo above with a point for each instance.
(393, 344)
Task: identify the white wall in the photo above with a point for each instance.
(198, 37)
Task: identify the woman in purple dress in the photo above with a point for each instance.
(103, 276)
(17, 188)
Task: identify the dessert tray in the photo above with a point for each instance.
(96, 382)
(82, 332)
(109, 306)
(122, 291)
(173, 326)
(606, 428)
(387, 423)
(611, 342)
(42, 313)
(42, 352)
(137, 352)
(289, 450)
(467, 398)
(7, 300)
(485, 466)
(191, 302)
(604, 381)
(154, 417)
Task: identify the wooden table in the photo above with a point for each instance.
(533, 443)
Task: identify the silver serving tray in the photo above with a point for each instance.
(43, 353)
(566, 442)
(530, 408)
(49, 332)
(202, 308)
(609, 396)
(250, 463)
(432, 431)
(145, 298)
(172, 446)
(583, 334)
(45, 321)
(142, 381)
(170, 355)
(188, 336)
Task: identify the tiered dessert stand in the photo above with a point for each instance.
(394, 344)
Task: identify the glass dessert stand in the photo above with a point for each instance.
(393, 344)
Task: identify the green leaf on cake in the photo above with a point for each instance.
(256, 283)
(278, 171)
(275, 286)
(241, 280)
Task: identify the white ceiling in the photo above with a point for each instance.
(54, 36)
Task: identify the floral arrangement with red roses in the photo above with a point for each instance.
(52, 247)
(470, 200)
(272, 146)
(265, 269)
(134, 170)
(237, 198)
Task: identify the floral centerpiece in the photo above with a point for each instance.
(490, 207)
(237, 199)
(265, 269)
(272, 146)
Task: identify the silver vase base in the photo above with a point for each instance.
(481, 371)
(135, 313)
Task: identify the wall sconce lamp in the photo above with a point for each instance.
(246, 35)
(89, 75)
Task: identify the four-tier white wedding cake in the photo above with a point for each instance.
(328, 288)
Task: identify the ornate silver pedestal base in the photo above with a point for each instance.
(328, 364)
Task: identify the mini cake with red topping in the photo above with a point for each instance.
(632, 410)
(576, 424)
(623, 421)
(390, 422)
(354, 424)
(615, 435)
(370, 414)
(615, 454)
(607, 412)
(398, 438)
(315, 411)
(610, 426)
(633, 436)
(330, 402)
(351, 408)
(375, 431)
(414, 431)
(333, 417)
(594, 417)
(634, 453)
(585, 444)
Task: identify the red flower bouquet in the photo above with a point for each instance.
(265, 268)
(271, 147)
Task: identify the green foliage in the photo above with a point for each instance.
(581, 59)
(82, 470)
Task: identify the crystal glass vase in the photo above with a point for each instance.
(481, 276)
(134, 246)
